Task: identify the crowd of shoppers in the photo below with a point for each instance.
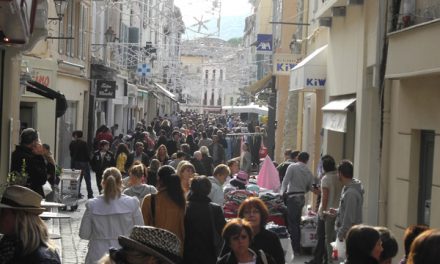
(161, 192)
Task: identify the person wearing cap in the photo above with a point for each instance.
(240, 180)
(26, 237)
(28, 157)
(108, 216)
(101, 160)
(146, 245)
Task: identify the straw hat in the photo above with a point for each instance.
(154, 241)
(21, 198)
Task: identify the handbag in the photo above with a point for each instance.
(47, 189)
(263, 151)
(217, 239)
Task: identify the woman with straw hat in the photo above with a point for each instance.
(26, 238)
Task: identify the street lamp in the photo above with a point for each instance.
(60, 8)
(110, 35)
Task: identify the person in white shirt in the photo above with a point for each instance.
(108, 216)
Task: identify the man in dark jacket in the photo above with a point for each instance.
(79, 155)
(102, 159)
(28, 157)
(138, 154)
(217, 151)
(173, 145)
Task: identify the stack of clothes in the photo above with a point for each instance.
(276, 207)
(233, 199)
(274, 203)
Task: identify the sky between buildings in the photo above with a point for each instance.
(214, 18)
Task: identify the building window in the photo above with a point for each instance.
(211, 102)
(83, 29)
(213, 75)
(221, 75)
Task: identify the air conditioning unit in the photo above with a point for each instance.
(325, 22)
(355, 2)
(339, 11)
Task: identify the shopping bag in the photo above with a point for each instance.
(47, 188)
(338, 253)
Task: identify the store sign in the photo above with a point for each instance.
(284, 62)
(105, 89)
(264, 43)
(42, 76)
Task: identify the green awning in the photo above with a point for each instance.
(260, 84)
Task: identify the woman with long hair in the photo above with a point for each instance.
(25, 236)
(255, 211)
(121, 157)
(203, 221)
(162, 155)
(363, 245)
(185, 171)
(238, 236)
(425, 248)
(108, 216)
(166, 209)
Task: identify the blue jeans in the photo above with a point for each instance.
(295, 206)
(85, 173)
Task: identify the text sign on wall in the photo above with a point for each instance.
(105, 89)
(283, 63)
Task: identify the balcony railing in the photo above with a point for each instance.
(121, 56)
(416, 12)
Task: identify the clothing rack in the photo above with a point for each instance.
(244, 134)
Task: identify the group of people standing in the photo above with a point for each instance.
(339, 210)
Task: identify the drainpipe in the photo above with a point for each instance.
(385, 98)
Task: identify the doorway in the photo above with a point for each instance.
(427, 138)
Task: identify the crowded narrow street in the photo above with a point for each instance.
(219, 131)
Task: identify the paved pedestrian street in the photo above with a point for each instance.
(73, 249)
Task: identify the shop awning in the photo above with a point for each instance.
(164, 91)
(260, 84)
(311, 72)
(251, 108)
(40, 89)
(335, 114)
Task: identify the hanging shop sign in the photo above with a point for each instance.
(264, 43)
(284, 62)
(105, 89)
